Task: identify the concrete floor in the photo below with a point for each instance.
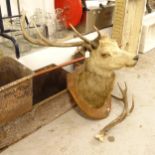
(71, 134)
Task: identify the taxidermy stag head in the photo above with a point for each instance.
(92, 84)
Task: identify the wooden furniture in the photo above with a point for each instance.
(127, 23)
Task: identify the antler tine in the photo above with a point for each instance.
(79, 35)
(26, 35)
(44, 41)
(91, 43)
(98, 32)
(121, 117)
(133, 105)
(53, 43)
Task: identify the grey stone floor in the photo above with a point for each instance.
(72, 134)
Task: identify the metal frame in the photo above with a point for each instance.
(4, 32)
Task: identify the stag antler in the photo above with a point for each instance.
(43, 41)
(121, 117)
(27, 36)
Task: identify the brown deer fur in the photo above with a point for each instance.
(96, 77)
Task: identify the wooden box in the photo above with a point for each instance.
(15, 89)
(50, 100)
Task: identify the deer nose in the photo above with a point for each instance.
(136, 58)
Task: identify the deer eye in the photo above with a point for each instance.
(104, 55)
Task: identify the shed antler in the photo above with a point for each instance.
(121, 117)
(43, 41)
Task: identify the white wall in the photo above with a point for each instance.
(28, 5)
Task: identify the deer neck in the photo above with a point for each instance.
(94, 85)
(93, 69)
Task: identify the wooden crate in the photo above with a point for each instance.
(15, 89)
(50, 100)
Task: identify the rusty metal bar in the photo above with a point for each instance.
(50, 69)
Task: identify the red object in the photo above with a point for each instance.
(72, 11)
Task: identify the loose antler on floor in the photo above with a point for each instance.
(121, 117)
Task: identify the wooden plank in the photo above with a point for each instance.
(118, 20)
(128, 23)
(42, 113)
